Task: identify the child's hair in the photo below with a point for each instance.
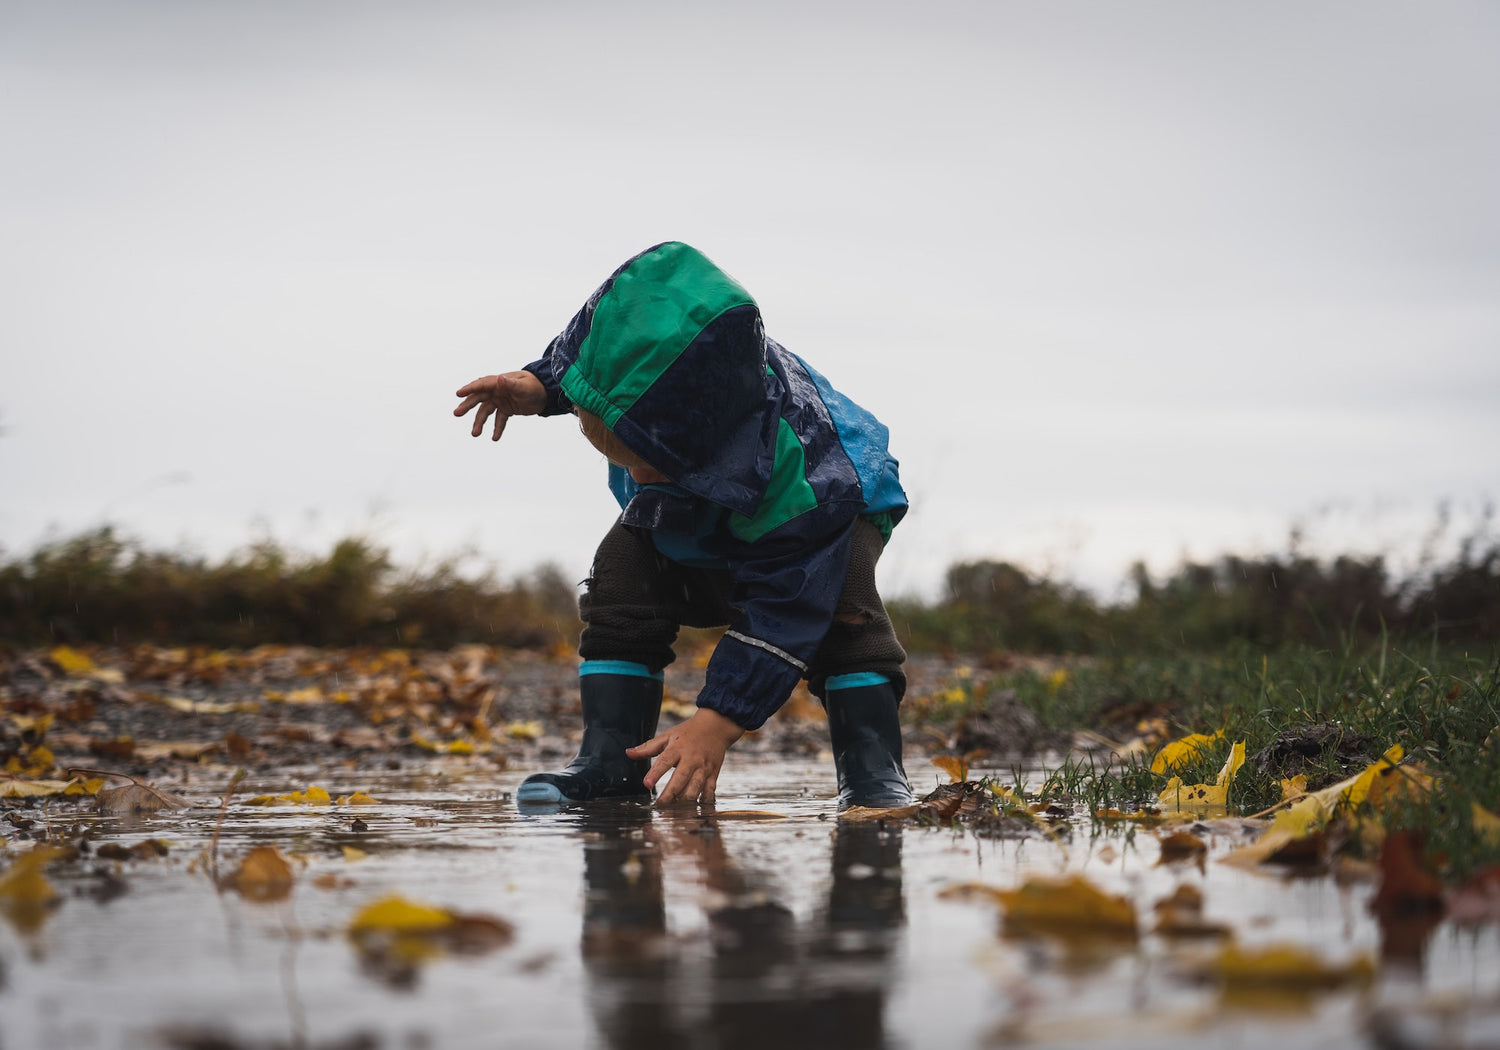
(604, 439)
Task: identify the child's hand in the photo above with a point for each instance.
(503, 396)
(695, 749)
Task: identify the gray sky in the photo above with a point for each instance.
(1125, 279)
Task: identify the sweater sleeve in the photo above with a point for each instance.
(557, 402)
(785, 591)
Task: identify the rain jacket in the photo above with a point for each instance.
(770, 465)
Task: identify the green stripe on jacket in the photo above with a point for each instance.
(654, 309)
(788, 494)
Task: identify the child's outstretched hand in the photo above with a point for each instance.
(695, 749)
(503, 396)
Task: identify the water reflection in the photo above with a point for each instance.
(762, 977)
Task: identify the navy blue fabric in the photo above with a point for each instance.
(710, 423)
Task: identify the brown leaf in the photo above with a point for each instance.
(1181, 845)
(1477, 899)
(138, 798)
(264, 875)
(1407, 887)
(119, 747)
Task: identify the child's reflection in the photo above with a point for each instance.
(764, 979)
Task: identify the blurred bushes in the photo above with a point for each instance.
(1269, 601)
(99, 587)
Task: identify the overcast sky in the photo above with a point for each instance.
(1126, 280)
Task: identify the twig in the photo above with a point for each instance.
(104, 773)
(213, 846)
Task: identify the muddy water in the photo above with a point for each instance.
(635, 929)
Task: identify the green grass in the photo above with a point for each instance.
(1441, 704)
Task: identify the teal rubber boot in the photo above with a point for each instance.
(865, 731)
(621, 703)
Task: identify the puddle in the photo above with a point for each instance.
(640, 929)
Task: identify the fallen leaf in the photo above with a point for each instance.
(1293, 787)
(263, 875)
(359, 798)
(26, 897)
(351, 854)
(1203, 798)
(138, 798)
(1181, 845)
(190, 706)
(187, 750)
(1313, 812)
(529, 730)
(397, 915)
(313, 796)
(1486, 824)
(1477, 899)
(748, 814)
(1067, 906)
(1183, 752)
(21, 787)
(1181, 916)
(70, 660)
(1407, 887)
(394, 936)
(1285, 966)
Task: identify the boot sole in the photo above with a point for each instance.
(542, 792)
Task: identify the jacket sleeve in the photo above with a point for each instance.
(557, 403)
(785, 589)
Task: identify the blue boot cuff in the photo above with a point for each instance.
(622, 667)
(857, 680)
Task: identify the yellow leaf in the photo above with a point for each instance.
(1181, 752)
(398, 915)
(1486, 824)
(1070, 905)
(1313, 811)
(14, 787)
(23, 882)
(1293, 786)
(313, 796)
(351, 854)
(91, 786)
(359, 798)
(26, 897)
(263, 800)
(957, 768)
(1202, 798)
(530, 730)
(264, 875)
(1287, 966)
(311, 695)
(71, 660)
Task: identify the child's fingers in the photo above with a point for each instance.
(479, 388)
(650, 749)
(485, 408)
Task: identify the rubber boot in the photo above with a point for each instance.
(865, 732)
(621, 702)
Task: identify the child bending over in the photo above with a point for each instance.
(754, 496)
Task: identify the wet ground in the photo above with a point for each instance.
(622, 927)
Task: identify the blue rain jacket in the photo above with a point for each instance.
(770, 465)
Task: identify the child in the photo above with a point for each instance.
(754, 495)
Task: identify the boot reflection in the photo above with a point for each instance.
(624, 943)
(763, 979)
(828, 987)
